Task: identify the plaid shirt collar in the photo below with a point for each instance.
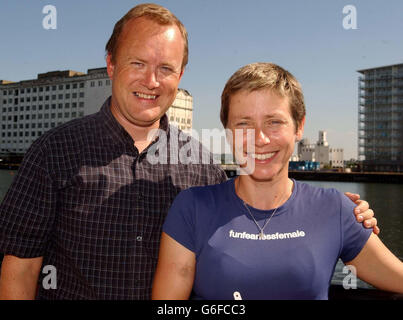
(116, 130)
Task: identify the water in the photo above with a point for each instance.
(385, 199)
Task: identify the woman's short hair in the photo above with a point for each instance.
(260, 76)
(155, 13)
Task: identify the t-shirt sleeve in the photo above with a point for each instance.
(354, 235)
(180, 221)
(27, 211)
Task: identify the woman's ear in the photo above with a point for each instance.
(300, 130)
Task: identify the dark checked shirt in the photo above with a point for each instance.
(93, 207)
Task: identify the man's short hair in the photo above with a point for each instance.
(260, 76)
(153, 12)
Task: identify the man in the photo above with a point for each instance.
(86, 199)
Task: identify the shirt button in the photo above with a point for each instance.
(139, 238)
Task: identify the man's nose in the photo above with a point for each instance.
(150, 80)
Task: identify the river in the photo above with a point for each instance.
(385, 199)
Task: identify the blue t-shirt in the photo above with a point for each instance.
(296, 260)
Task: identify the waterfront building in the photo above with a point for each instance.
(29, 108)
(380, 118)
(321, 152)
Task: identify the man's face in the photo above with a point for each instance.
(145, 72)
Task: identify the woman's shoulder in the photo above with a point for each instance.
(205, 196)
(307, 190)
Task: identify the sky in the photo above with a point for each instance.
(308, 38)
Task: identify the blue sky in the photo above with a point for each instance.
(305, 37)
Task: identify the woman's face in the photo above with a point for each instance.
(267, 150)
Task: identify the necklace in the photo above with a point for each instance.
(261, 233)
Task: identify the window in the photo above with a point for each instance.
(81, 94)
(99, 83)
(92, 83)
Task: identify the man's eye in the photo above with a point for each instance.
(276, 122)
(166, 69)
(240, 124)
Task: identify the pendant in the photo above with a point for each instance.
(261, 235)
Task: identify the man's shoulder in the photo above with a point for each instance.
(73, 132)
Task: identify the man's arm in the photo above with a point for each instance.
(363, 213)
(19, 277)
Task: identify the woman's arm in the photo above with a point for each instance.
(19, 277)
(174, 276)
(378, 266)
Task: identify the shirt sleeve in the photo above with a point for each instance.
(354, 235)
(27, 211)
(180, 221)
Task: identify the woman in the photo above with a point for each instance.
(263, 235)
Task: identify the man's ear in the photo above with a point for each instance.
(181, 74)
(110, 66)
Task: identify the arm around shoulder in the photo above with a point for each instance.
(377, 265)
(19, 277)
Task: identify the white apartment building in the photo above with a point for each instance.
(321, 152)
(31, 107)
